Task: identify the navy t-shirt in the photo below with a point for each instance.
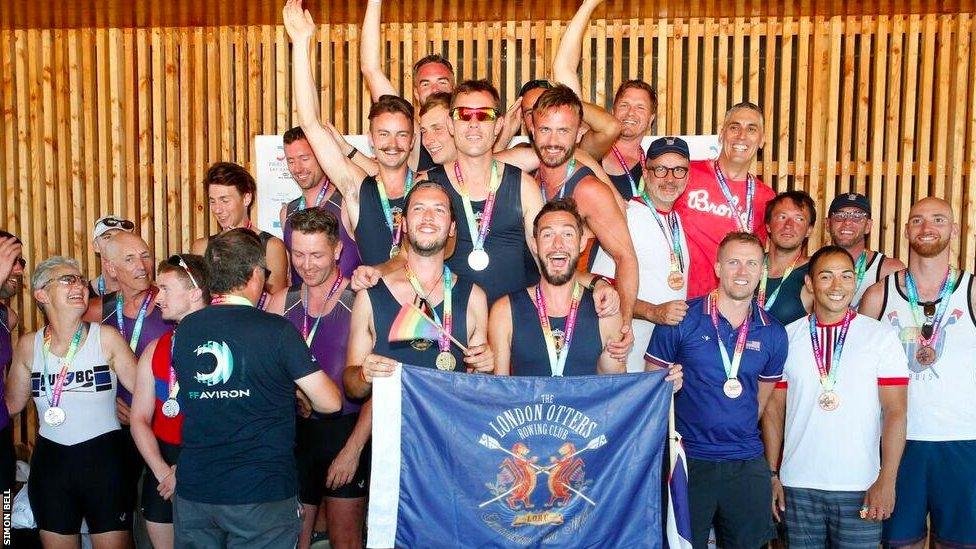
(713, 426)
(237, 367)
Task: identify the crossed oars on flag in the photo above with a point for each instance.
(492, 444)
(413, 323)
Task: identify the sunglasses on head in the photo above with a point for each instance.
(481, 114)
(177, 261)
(115, 222)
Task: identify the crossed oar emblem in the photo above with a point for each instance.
(492, 444)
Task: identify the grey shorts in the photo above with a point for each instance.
(270, 525)
(821, 518)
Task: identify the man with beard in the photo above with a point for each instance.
(370, 202)
(12, 274)
(733, 352)
(456, 305)
(103, 231)
(849, 222)
(843, 396)
(723, 196)
(931, 305)
(317, 192)
(789, 221)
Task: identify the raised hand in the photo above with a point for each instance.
(298, 22)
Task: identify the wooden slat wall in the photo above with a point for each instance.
(125, 121)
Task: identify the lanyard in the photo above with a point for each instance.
(570, 168)
(101, 284)
(672, 234)
(54, 397)
(262, 300)
(828, 369)
(479, 232)
(557, 357)
(918, 313)
(444, 340)
(731, 366)
(310, 335)
(221, 299)
(318, 198)
(173, 386)
(861, 268)
(140, 319)
(744, 226)
(395, 231)
(636, 189)
(767, 302)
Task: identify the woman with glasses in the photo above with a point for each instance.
(71, 368)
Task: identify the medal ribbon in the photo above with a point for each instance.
(174, 387)
(674, 238)
(765, 302)
(479, 232)
(262, 300)
(310, 335)
(221, 299)
(101, 285)
(636, 189)
(140, 319)
(395, 231)
(731, 366)
(570, 168)
(750, 193)
(557, 357)
(444, 340)
(861, 268)
(828, 369)
(54, 397)
(318, 198)
(917, 311)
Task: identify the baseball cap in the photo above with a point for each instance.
(110, 223)
(855, 200)
(664, 145)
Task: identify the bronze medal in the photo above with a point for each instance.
(732, 388)
(676, 280)
(925, 355)
(445, 361)
(828, 401)
(394, 250)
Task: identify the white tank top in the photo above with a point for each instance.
(871, 275)
(88, 399)
(942, 396)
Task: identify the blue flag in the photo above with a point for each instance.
(482, 461)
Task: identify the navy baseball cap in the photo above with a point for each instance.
(853, 200)
(664, 145)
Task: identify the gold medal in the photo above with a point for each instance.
(828, 401)
(732, 388)
(925, 355)
(676, 280)
(445, 361)
(420, 344)
(394, 250)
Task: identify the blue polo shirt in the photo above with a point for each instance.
(713, 426)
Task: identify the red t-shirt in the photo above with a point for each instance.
(707, 218)
(167, 429)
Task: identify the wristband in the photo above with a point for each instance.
(596, 280)
(774, 473)
(352, 154)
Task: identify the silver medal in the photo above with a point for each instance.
(478, 260)
(54, 416)
(171, 408)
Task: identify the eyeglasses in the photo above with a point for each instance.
(177, 261)
(66, 280)
(115, 222)
(678, 172)
(481, 114)
(849, 216)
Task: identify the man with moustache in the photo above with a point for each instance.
(155, 418)
(662, 250)
(931, 305)
(843, 396)
(317, 192)
(723, 195)
(733, 353)
(789, 219)
(849, 222)
(12, 274)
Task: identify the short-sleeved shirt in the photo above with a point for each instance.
(838, 449)
(237, 366)
(713, 426)
(707, 218)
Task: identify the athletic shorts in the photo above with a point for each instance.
(735, 497)
(936, 479)
(318, 442)
(8, 460)
(267, 525)
(826, 518)
(82, 481)
(154, 507)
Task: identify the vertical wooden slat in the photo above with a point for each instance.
(925, 85)
(893, 125)
(961, 103)
(832, 101)
(908, 98)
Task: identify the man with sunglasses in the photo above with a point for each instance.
(155, 417)
(105, 228)
(12, 276)
(849, 223)
(662, 250)
(931, 304)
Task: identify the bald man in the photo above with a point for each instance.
(930, 304)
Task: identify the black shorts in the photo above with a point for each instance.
(735, 497)
(154, 507)
(8, 460)
(87, 481)
(318, 442)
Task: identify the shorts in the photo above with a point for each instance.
(936, 479)
(735, 496)
(8, 460)
(82, 481)
(827, 518)
(318, 442)
(268, 525)
(154, 507)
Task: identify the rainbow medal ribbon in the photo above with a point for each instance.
(723, 183)
(767, 302)
(309, 335)
(636, 188)
(445, 360)
(55, 414)
(396, 230)
(732, 386)
(570, 168)
(318, 198)
(828, 399)
(478, 259)
(227, 299)
(860, 269)
(926, 355)
(140, 319)
(557, 356)
(171, 407)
